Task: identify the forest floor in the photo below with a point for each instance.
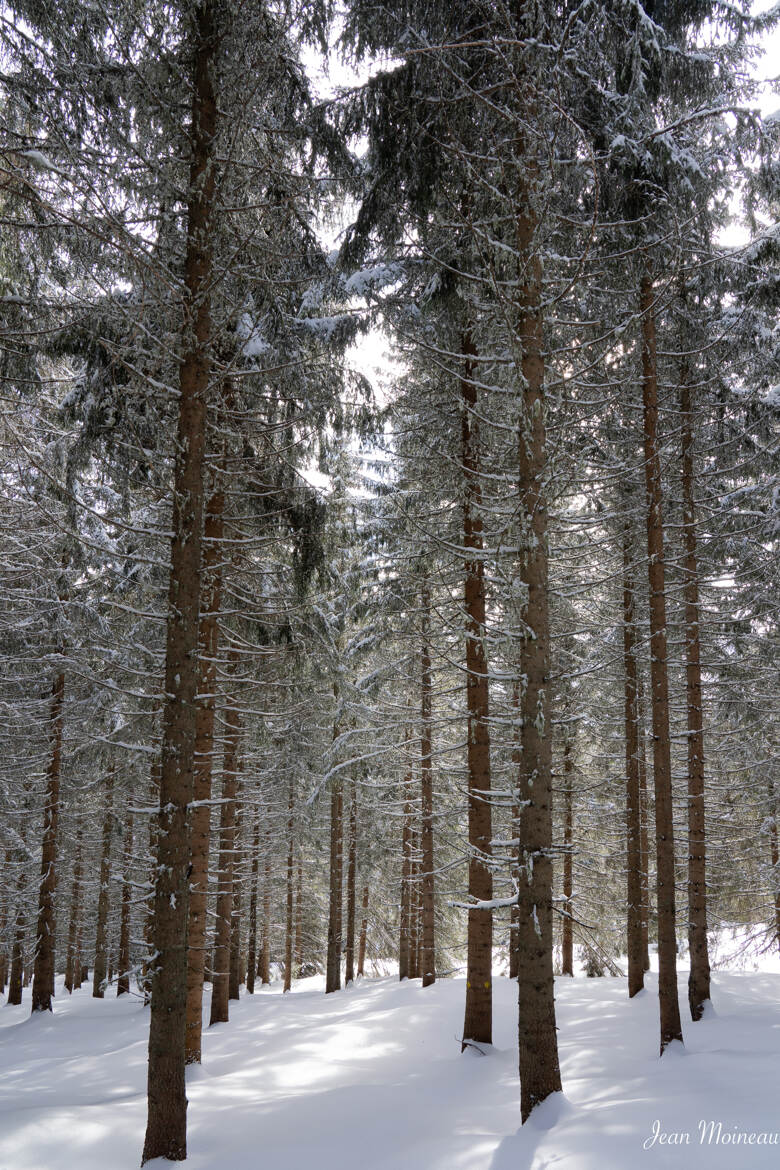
(373, 1077)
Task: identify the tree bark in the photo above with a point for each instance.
(363, 935)
(72, 961)
(236, 974)
(200, 815)
(774, 853)
(100, 970)
(405, 918)
(43, 974)
(538, 1057)
(16, 973)
(478, 1018)
(349, 973)
(220, 993)
(289, 925)
(123, 977)
(671, 1028)
(699, 977)
(636, 966)
(299, 918)
(426, 938)
(567, 932)
(264, 970)
(251, 966)
(333, 966)
(166, 1129)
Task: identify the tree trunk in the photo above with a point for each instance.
(478, 1019)
(123, 979)
(147, 964)
(415, 901)
(636, 967)
(290, 890)
(43, 976)
(200, 815)
(349, 974)
(264, 970)
(227, 844)
(251, 967)
(100, 970)
(16, 974)
(538, 1058)
(405, 918)
(567, 932)
(72, 972)
(671, 1028)
(699, 978)
(166, 1129)
(426, 936)
(644, 841)
(774, 853)
(236, 975)
(333, 966)
(299, 918)
(363, 935)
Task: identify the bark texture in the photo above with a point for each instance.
(349, 971)
(166, 1129)
(123, 961)
(478, 1019)
(223, 937)
(426, 936)
(699, 977)
(43, 974)
(100, 970)
(634, 907)
(671, 1028)
(538, 1058)
(200, 815)
(567, 932)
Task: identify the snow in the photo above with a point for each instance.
(373, 1076)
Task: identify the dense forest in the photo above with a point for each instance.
(468, 668)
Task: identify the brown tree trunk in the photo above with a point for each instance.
(634, 920)
(43, 976)
(16, 974)
(405, 919)
(236, 974)
(567, 932)
(200, 814)
(363, 935)
(251, 966)
(72, 961)
(478, 1019)
(538, 1058)
(166, 1129)
(774, 853)
(333, 963)
(699, 978)
(644, 838)
(220, 993)
(426, 937)
(299, 918)
(349, 974)
(147, 964)
(290, 890)
(264, 970)
(100, 970)
(123, 979)
(671, 1028)
(415, 904)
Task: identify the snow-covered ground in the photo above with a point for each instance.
(373, 1077)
